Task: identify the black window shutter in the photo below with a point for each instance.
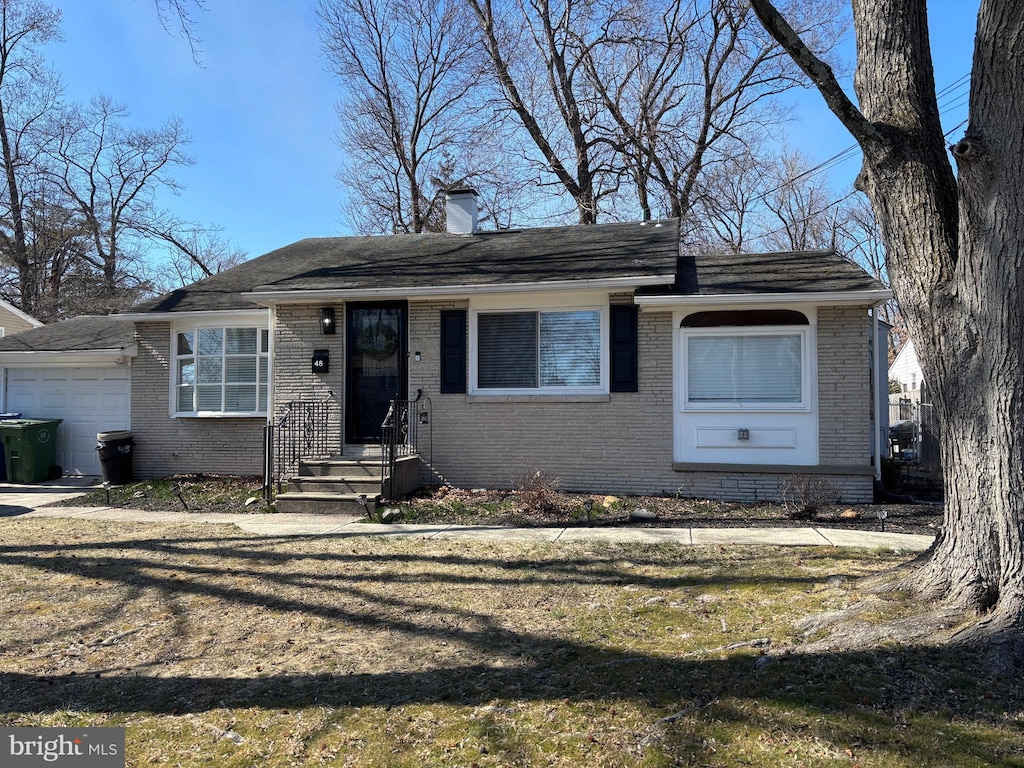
(453, 350)
(625, 371)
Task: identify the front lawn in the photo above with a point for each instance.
(216, 647)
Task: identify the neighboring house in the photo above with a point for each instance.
(906, 369)
(13, 320)
(594, 354)
(77, 370)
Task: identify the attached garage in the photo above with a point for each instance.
(89, 399)
(77, 371)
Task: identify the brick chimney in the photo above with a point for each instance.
(461, 211)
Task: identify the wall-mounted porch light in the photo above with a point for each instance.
(327, 321)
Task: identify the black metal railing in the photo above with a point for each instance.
(301, 432)
(400, 435)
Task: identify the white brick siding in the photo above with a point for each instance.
(844, 386)
(296, 334)
(619, 443)
(622, 443)
(165, 445)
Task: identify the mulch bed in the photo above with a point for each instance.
(540, 506)
(554, 509)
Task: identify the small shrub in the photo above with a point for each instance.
(892, 473)
(802, 495)
(537, 493)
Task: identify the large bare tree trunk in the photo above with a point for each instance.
(955, 259)
(975, 350)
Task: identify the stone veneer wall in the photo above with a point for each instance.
(165, 445)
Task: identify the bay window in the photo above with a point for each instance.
(221, 371)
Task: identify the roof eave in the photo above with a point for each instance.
(254, 314)
(22, 315)
(69, 356)
(273, 297)
(843, 298)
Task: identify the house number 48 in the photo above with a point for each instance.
(321, 361)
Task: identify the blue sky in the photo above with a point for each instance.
(260, 108)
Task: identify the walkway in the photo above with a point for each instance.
(28, 502)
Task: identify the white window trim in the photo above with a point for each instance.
(808, 375)
(549, 305)
(246, 321)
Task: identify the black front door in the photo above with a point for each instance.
(376, 370)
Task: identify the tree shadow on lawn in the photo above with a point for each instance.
(876, 693)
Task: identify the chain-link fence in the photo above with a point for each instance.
(914, 435)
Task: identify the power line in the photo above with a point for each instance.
(853, 150)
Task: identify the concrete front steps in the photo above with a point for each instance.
(332, 486)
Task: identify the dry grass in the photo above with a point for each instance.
(215, 647)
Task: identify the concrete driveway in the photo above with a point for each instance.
(19, 499)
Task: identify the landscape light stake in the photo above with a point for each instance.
(106, 487)
(176, 490)
(361, 498)
(588, 505)
(882, 514)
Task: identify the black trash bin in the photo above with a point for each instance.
(116, 449)
(3, 451)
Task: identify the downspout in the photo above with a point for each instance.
(269, 475)
(876, 378)
(271, 367)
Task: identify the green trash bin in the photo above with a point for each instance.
(30, 448)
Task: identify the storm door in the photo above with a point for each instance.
(376, 366)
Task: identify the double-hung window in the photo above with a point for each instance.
(221, 371)
(538, 351)
(743, 368)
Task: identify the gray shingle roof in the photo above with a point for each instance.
(436, 261)
(77, 334)
(787, 272)
(506, 257)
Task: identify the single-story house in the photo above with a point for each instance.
(13, 320)
(597, 355)
(77, 370)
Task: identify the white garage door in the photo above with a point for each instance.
(88, 399)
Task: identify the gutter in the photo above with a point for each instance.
(876, 391)
(257, 315)
(271, 297)
(69, 356)
(834, 298)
